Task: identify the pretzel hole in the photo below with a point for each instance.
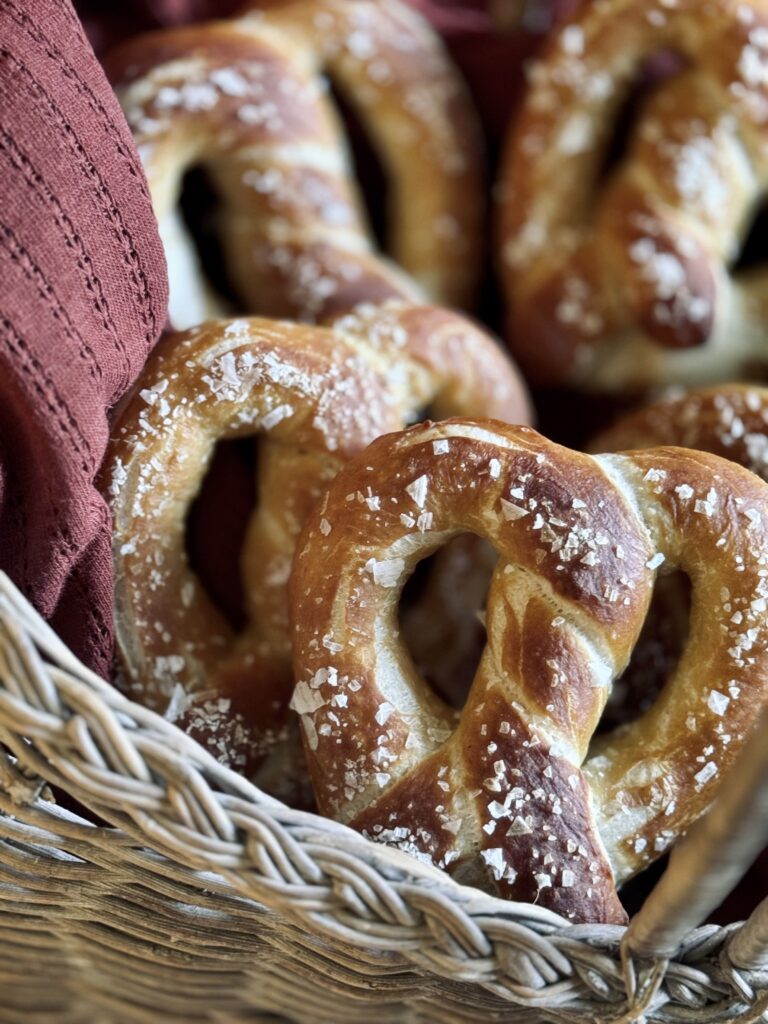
(659, 67)
(216, 525)
(198, 206)
(369, 172)
(656, 654)
(754, 248)
(442, 615)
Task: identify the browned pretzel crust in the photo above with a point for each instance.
(247, 101)
(730, 420)
(627, 282)
(315, 400)
(511, 789)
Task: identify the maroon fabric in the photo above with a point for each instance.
(83, 300)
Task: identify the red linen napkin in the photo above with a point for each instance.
(83, 300)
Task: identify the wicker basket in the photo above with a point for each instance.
(202, 899)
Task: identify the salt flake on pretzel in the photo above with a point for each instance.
(730, 420)
(511, 791)
(314, 400)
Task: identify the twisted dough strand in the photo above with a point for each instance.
(730, 420)
(511, 789)
(315, 396)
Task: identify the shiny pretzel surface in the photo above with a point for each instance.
(314, 397)
(730, 420)
(511, 792)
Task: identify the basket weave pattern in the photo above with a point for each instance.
(204, 899)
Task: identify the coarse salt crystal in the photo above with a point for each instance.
(717, 702)
(511, 512)
(572, 40)
(495, 860)
(276, 415)
(306, 700)
(386, 572)
(418, 490)
(707, 772)
(384, 712)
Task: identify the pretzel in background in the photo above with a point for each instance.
(625, 281)
(247, 100)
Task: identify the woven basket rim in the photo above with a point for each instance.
(139, 772)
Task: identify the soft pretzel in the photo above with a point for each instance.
(629, 282)
(730, 420)
(509, 789)
(464, 371)
(393, 70)
(315, 396)
(246, 101)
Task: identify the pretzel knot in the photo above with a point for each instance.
(511, 793)
(629, 281)
(247, 102)
(314, 397)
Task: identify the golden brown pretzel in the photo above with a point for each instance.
(245, 100)
(392, 69)
(628, 282)
(466, 372)
(509, 789)
(441, 628)
(315, 396)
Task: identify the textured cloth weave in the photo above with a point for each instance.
(82, 301)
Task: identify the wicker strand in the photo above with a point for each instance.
(748, 949)
(706, 865)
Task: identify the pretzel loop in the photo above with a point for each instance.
(512, 789)
(314, 401)
(314, 396)
(392, 69)
(246, 100)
